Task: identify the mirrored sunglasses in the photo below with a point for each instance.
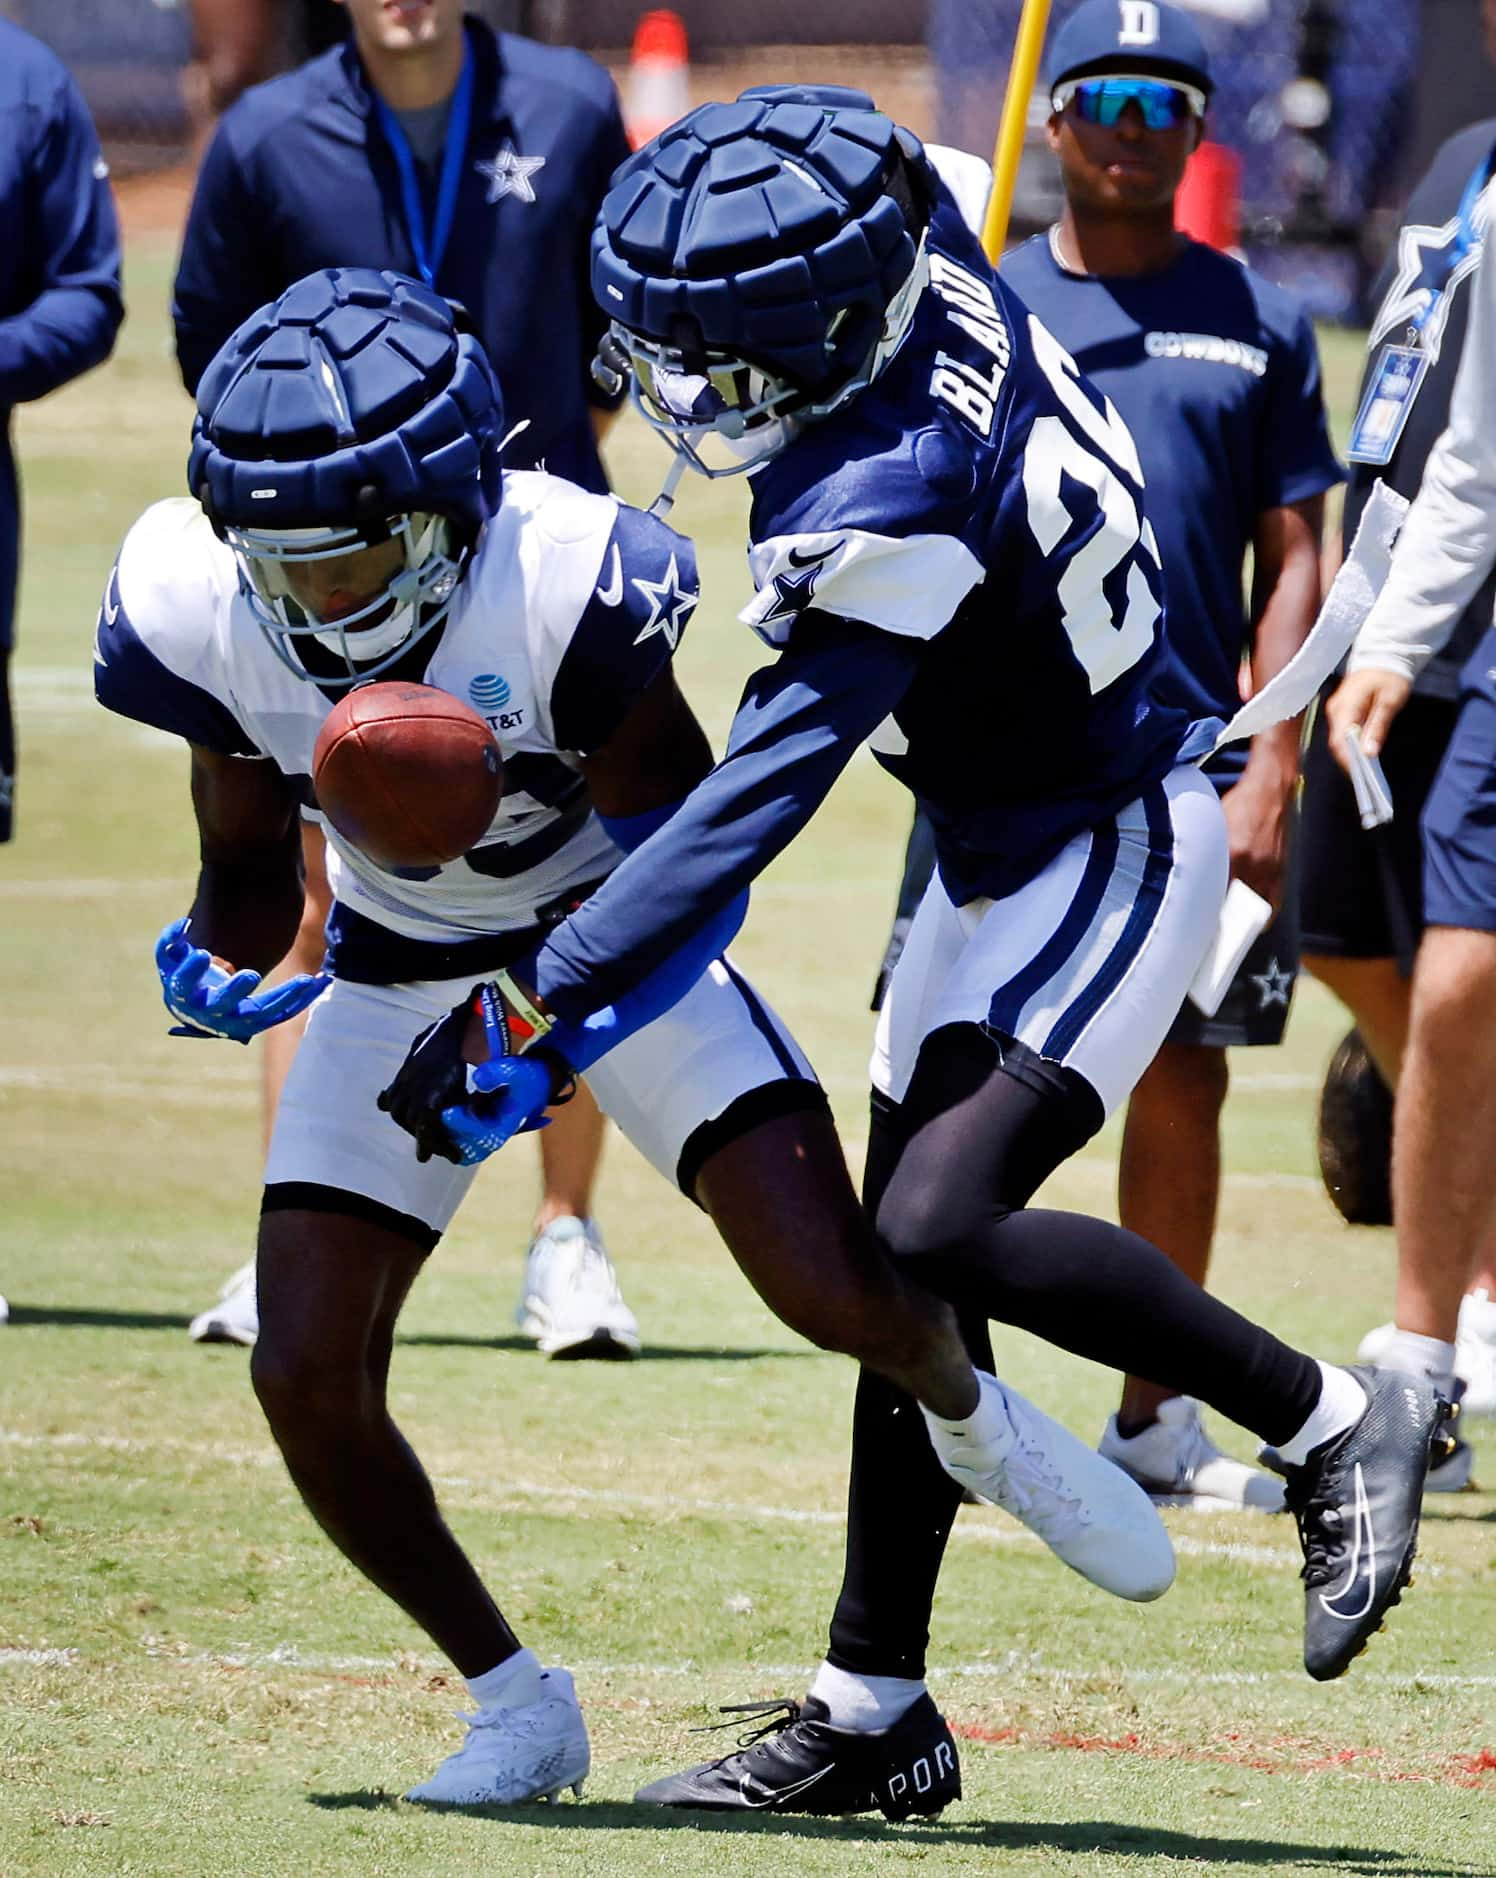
(1103, 100)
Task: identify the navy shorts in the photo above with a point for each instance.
(1360, 890)
(1459, 818)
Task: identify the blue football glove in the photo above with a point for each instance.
(211, 1002)
(509, 1097)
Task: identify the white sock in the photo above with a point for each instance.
(864, 1704)
(987, 1423)
(514, 1683)
(1341, 1404)
(1416, 1355)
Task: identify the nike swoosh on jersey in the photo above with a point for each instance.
(613, 592)
(810, 560)
(780, 1794)
(1363, 1563)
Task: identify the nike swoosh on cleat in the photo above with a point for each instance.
(1364, 1542)
(613, 592)
(780, 1794)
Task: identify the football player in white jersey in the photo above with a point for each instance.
(352, 522)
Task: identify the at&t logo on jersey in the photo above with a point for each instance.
(490, 693)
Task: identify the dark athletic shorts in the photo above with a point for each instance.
(1360, 890)
(1459, 818)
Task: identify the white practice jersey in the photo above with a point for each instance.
(570, 605)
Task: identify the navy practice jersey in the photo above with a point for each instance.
(1216, 373)
(570, 606)
(299, 176)
(1430, 257)
(956, 567)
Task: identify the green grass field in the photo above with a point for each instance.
(191, 1681)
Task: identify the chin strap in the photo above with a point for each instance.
(664, 502)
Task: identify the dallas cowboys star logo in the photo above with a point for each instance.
(1429, 266)
(795, 588)
(1273, 986)
(670, 606)
(509, 173)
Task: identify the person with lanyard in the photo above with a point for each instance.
(1443, 1182)
(475, 161)
(1229, 422)
(1361, 892)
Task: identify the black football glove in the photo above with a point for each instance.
(433, 1077)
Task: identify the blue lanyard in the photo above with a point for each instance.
(1466, 235)
(429, 259)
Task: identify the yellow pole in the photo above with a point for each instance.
(1009, 146)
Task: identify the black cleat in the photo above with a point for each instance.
(1357, 1503)
(798, 1763)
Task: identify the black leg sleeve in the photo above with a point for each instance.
(901, 1503)
(1080, 1283)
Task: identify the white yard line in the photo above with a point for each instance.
(88, 887)
(518, 1493)
(1006, 1670)
(199, 1090)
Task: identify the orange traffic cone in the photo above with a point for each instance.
(659, 89)
(1207, 204)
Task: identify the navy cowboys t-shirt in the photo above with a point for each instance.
(1426, 257)
(1216, 374)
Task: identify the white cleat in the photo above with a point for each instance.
(235, 1318)
(1474, 1352)
(4, 1312)
(511, 1755)
(1089, 1513)
(571, 1306)
(1176, 1463)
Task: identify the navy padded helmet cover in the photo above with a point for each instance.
(748, 228)
(353, 379)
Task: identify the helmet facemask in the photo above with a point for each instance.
(281, 569)
(725, 415)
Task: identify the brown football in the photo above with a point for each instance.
(407, 773)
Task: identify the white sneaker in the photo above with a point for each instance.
(1474, 1351)
(516, 1754)
(1475, 1354)
(235, 1318)
(1088, 1512)
(571, 1305)
(1178, 1464)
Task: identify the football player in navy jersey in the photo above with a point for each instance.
(951, 562)
(351, 524)
(1216, 374)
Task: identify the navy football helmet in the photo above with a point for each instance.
(352, 414)
(761, 262)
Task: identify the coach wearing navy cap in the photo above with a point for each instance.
(1216, 374)
(1127, 36)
